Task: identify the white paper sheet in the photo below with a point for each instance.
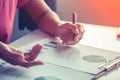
(43, 72)
(82, 58)
(9, 72)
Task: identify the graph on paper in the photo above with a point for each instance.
(75, 57)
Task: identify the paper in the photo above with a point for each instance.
(82, 58)
(9, 72)
(43, 72)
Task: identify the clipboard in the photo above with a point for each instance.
(107, 68)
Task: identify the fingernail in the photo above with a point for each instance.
(69, 42)
(41, 63)
(63, 43)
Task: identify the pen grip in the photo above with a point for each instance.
(74, 17)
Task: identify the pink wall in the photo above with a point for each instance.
(101, 12)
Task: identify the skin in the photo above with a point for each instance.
(17, 57)
(50, 23)
(47, 20)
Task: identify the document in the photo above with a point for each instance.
(42, 72)
(9, 72)
(80, 57)
(60, 60)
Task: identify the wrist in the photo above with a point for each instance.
(2, 51)
(59, 29)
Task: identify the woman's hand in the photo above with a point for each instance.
(69, 33)
(17, 57)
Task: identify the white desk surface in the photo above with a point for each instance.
(95, 35)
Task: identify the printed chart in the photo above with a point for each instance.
(75, 57)
(60, 62)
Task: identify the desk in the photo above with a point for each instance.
(95, 35)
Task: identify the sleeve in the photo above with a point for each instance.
(22, 3)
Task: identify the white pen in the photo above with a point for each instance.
(74, 17)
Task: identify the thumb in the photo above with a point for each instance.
(30, 63)
(74, 28)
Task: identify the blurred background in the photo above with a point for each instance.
(99, 12)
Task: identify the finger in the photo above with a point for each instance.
(74, 28)
(74, 40)
(33, 53)
(80, 28)
(30, 63)
(68, 42)
(68, 39)
(77, 38)
(70, 26)
(36, 49)
(64, 43)
(15, 50)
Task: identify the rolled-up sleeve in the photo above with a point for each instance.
(22, 3)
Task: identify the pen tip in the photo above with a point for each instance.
(94, 79)
(74, 13)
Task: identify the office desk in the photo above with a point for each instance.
(95, 35)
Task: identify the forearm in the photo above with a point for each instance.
(4, 50)
(1, 49)
(50, 23)
(44, 17)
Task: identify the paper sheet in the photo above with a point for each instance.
(9, 72)
(44, 72)
(82, 58)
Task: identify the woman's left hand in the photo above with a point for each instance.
(16, 57)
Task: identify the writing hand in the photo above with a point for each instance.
(70, 34)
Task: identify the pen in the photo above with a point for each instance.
(74, 17)
(118, 33)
